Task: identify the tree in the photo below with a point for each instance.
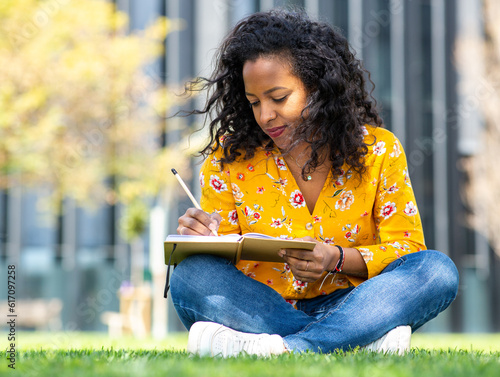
(79, 113)
(76, 105)
(479, 60)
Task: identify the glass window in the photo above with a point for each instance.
(335, 12)
(143, 13)
(37, 223)
(94, 226)
(38, 233)
(377, 54)
(241, 8)
(284, 3)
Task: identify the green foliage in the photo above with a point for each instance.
(76, 103)
(87, 354)
(111, 362)
(134, 221)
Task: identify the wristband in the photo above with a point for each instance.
(338, 267)
(340, 264)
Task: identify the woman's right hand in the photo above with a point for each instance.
(198, 222)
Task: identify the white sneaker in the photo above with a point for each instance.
(396, 341)
(213, 339)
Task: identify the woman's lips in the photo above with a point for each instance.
(276, 131)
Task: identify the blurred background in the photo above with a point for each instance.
(87, 140)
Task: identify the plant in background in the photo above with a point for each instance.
(79, 114)
(479, 62)
(133, 224)
(81, 117)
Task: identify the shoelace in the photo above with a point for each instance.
(249, 344)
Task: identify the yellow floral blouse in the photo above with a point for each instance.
(378, 215)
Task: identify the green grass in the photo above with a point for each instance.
(87, 354)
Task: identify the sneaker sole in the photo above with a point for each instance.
(197, 333)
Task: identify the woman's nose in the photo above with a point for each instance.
(267, 114)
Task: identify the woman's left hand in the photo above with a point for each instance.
(309, 265)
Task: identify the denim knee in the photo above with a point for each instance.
(442, 270)
(194, 273)
(187, 266)
(185, 271)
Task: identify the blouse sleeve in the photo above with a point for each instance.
(217, 194)
(397, 219)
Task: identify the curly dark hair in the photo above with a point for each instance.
(338, 102)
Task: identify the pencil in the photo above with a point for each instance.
(188, 193)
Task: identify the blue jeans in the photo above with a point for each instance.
(410, 291)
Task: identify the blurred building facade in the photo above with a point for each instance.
(407, 45)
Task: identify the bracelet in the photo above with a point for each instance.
(340, 264)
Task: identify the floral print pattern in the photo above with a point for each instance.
(345, 201)
(379, 149)
(391, 190)
(378, 216)
(367, 254)
(280, 163)
(217, 184)
(297, 199)
(388, 210)
(396, 150)
(233, 217)
(298, 285)
(410, 209)
(351, 232)
(276, 223)
(238, 195)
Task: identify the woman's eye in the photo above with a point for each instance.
(253, 104)
(280, 99)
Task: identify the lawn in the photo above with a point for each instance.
(90, 354)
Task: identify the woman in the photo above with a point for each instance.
(296, 151)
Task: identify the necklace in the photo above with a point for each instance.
(296, 163)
